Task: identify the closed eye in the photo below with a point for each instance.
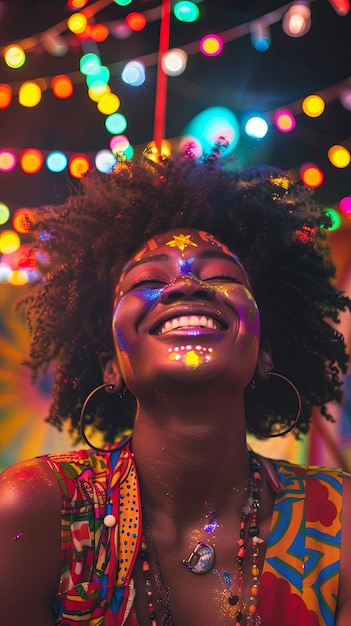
(223, 278)
(150, 282)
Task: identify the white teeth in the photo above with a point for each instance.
(191, 321)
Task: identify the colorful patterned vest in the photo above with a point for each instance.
(300, 578)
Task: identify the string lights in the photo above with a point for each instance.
(295, 20)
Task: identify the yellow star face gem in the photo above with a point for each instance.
(181, 242)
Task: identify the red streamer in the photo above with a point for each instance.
(161, 84)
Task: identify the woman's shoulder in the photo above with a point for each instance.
(29, 483)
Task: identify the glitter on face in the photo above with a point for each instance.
(193, 356)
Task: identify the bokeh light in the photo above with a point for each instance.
(9, 241)
(99, 32)
(186, 11)
(98, 75)
(313, 105)
(334, 218)
(134, 73)
(76, 4)
(123, 3)
(119, 143)
(211, 45)
(174, 62)
(339, 156)
(18, 277)
(7, 161)
(284, 121)
(105, 161)
(97, 92)
(256, 127)
(151, 151)
(62, 86)
(88, 62)
(14, 56)
(311, 175)
(56, 161)
(208, 126)
(5, 96)
(77, 23)
(31, 160)
(345, 205)
(116, 123)
(4, 213)
(23, 220)
(135, 21)
(29, 94)
(108, 104)
(78, 165)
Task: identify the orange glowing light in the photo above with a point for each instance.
(31, 160)
(135, 21)
(77, 23)
(78, 165)
(62, 86)
(339, 156)
(313, 105)
(23, 220)
(5, 96)
(311, 175)
(99, 32)
(7, 161)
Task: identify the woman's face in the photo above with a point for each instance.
(184, 311)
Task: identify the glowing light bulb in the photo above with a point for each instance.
(297, 20)
(7, 161)
(345, 205)
(56, 161)
(14, 56)
(31, 160)
(260, 36)
(89, 62)
(211, 45)
(334, 217)
(186, 11)
(105, 161)
(311, 175)
(4, 213)
(116, 123)
(134, 73)
(108, 104)
(284, 121)
(9, 241)
(256, 127)
(339, 156)
(135, 21)
(29, 94)
(313, 105)
(77, 23)
(23, 220)
(174, 62)
(62, 86)
(5, 96)
(78, 165)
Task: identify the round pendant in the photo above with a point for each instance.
(202, 559)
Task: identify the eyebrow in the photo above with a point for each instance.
(204, 254)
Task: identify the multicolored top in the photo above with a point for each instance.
(300, 578)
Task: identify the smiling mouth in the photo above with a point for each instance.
(189, 322)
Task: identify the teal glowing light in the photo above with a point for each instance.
(186, 11)
(98, 76)
(56, 161)
(89, 62)
(116, 123)
(210, 125)
(123, 3)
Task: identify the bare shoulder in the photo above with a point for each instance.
(30, 521)
(344, 601)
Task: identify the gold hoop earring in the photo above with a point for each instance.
(258, 406)
(123, 439)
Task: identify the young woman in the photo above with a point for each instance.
(173, 297)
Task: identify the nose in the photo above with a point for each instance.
(186, 287)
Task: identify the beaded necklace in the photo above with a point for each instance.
(232, 605)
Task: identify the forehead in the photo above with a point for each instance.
(183, 241)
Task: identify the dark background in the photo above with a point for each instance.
(240, 78)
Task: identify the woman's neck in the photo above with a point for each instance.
(191, 457)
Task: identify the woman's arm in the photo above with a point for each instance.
(30, 547)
